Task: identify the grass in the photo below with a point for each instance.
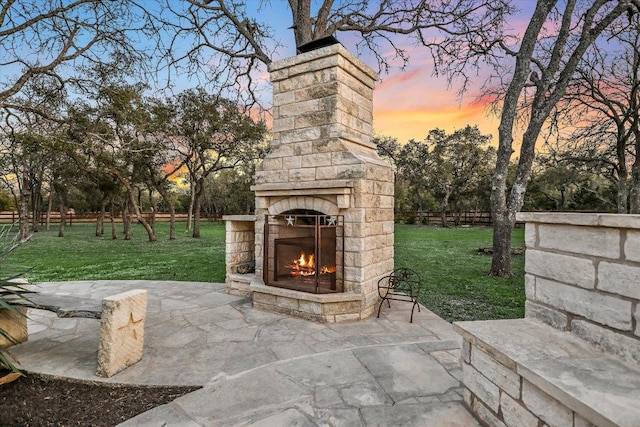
(454, 274)
(80, 255)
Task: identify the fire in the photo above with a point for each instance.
(306, 266)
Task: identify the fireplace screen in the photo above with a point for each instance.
(304, 252)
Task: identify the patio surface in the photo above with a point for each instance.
(263, 369)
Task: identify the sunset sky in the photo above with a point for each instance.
(409, 103)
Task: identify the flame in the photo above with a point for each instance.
(306, 266)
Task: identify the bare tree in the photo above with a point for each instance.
(234, 45)
(603, 105)
(55, 37)
(546, 58)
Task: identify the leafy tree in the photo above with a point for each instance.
(215, 135)
(457, 164)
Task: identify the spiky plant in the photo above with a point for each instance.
(10, 291)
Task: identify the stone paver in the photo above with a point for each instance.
(260, 368)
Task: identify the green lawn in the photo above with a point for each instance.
(454, 274)
(80, 255)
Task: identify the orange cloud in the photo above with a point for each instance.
(406, 124)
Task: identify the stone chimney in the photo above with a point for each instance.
(322, 160)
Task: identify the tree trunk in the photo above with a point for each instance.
(49, 207)
(623, 174)
(100, 217)
(172, 210)
(133, 205)
(443, 208)
(36, 203)
(63, 215)
(501, 258)
(114, 231)
(23, 210)
(192, 186)
(199, 187)
(152, 204)
(196, 219)
(126, 219)
(140, 217)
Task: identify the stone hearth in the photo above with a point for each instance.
(322, 162)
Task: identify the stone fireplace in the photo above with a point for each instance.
(322, 234)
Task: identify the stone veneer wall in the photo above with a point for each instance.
(583, 276)
(321, 158)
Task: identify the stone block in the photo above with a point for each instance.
(637, 317)
(310, 307)
(317, 91)
(563, 268)
(283, 98)
(465, 353)
(551, 317)
(530, 235)
(342, 307)
(632, 246)
(578, 421)
(530, 286)
(481, 387)
(514, 414)
(619, 279)
(287, 303)
(302, 174)
(315, 160)
(604, 309)
(485, 415)
(348, 317)
(272, 164)
(545, 407)
(300, 135)
(623, 346)
(14, 323)
(506, 379)
(121, 331)
(297, 108)
(303, 147)
(292, 162)
(595, 241)
(315, 118)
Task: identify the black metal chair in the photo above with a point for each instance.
(402, 284)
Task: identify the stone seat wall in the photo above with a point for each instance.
(522, 373)
(575, 359)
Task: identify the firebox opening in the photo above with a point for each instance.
(304, 251)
